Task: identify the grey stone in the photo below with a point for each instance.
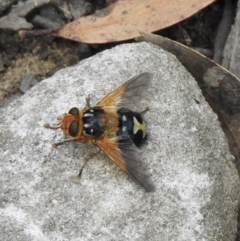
(186, 153)
(232, 47)
(48, 18)
(15, 20)
(80, 8)
(27, 82)
(5, 4)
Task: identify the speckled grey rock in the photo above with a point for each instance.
(186, 153)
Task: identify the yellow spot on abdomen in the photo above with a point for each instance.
(138, 126)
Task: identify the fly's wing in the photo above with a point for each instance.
(124, 153)
(127, 92)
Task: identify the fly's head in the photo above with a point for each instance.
(72, 123)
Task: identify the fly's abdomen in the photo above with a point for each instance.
(131, 124)
(94, 121)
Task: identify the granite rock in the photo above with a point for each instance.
(186, 153)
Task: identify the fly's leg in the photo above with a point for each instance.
(88, 102)
(54, 145)
(84, 164)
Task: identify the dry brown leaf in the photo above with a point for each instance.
(220, 88)
(126, 19)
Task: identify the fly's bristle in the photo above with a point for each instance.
(54, 145)
(46, 126)
(78, 176)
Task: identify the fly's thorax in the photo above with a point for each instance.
(97, 121)
(94, 121)
(131, 124)
(71, 123)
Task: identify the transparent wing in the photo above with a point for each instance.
(128, 92)
(124, 153)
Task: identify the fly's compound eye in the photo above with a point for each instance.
(73, 111)
(73, 129)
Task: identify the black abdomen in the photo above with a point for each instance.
(131, 124)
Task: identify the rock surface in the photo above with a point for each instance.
(186, 153)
